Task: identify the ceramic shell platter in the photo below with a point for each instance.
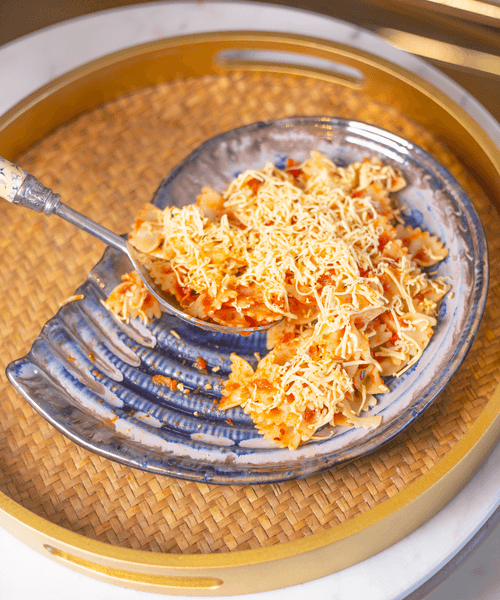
(92, 377)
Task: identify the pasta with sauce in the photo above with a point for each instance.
(322, 246)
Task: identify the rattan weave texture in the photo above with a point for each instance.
(106, 164)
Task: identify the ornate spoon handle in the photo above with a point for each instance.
(11, 179)
(21, 188)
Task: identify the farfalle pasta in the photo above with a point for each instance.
(322, 247)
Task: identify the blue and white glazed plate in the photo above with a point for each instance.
(96, 380)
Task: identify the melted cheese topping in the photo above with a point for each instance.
(323, 247)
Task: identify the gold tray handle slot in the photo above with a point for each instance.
(136, 580)
(294, 63)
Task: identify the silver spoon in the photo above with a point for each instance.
(19, 187)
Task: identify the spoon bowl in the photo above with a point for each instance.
(19, 187)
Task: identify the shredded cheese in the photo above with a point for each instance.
(320, 245)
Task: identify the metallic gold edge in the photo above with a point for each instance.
(444, 52)
(468, 451)
(421, 91)
(468, 10)
(276, 566)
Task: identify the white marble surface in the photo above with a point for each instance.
(30, 62)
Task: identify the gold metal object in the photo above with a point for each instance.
(412, 16)
(442, 51)
(357, 538)
(472, 10)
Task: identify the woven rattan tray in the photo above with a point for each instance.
(106, 135)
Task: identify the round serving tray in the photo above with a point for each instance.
(150, 532)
